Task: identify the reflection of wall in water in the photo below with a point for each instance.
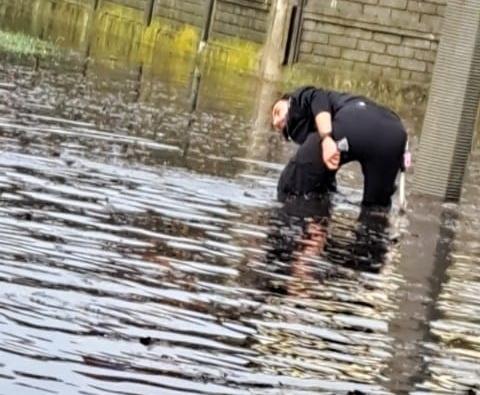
(64, 23)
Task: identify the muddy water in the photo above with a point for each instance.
(142, 250)
(133, 265)
(452, 352)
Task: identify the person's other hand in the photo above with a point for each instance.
(330, 153)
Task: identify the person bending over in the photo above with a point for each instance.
(320, 121)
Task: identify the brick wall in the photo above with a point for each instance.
(246, 19)
(391, 38)
(135, 4)
(182, 11)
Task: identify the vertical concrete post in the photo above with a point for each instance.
(209, 16)
(292, 45)
(197, 74)
(274, 50)
(449, 123)
(37, 20)
(149, 8)
(259, 137)
(90, 35)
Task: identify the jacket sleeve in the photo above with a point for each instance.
(319, 102)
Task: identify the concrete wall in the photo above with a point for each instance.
(452, 110)
(392, 38)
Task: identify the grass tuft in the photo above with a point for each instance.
(21, 44)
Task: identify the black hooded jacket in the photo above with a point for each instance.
(306, 103)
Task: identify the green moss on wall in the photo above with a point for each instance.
(121, 32)
(21, 44)
(234, 53)
(407, 98)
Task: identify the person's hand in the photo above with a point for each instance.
(330, 153)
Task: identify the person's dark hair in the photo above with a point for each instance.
(284, 96)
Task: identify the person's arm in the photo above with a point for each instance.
(323, 120)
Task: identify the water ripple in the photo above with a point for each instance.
(131, 266)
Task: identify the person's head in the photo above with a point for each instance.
(279, 113)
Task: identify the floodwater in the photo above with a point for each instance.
(142, 250)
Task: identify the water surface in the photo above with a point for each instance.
(143, 251)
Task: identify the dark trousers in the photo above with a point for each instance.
(376, 139)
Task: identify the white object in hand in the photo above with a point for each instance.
(342, 145)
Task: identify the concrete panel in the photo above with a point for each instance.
(452, 109)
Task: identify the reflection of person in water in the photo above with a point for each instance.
(304, 290)
(303, 231)
(332, 129)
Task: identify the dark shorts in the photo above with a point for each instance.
(376, 139)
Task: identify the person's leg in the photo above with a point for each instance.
(382, 162)
(379, 181)
(306, 173)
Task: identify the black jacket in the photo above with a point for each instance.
(306, 103)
